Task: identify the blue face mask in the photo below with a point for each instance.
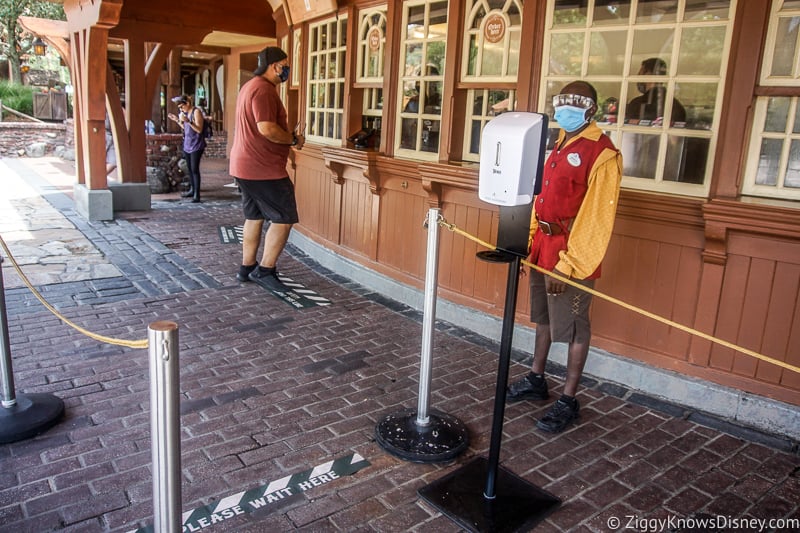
(570, 118)
(284, 75)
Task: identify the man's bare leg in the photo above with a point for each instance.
(274, 243)
(251, 238)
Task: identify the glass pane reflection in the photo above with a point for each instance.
(768, 162)
(640, 154)
(793, 172)
(777, 113)
(686, 159)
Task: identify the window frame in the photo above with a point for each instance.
(373, 99)
(629, 76)
(337, 82)
(422, 78)
(774, 87)
(485, 84)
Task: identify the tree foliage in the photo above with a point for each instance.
(16, 42)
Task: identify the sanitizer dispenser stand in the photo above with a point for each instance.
(481, 496)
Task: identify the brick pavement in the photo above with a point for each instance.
(268, 390)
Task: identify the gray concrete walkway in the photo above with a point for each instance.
(271, 394)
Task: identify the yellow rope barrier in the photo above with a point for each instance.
(648, 314)
(118, 342)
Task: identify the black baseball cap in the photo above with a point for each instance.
(180, 99)
(268, 56)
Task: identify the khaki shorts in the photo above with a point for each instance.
(567, 314)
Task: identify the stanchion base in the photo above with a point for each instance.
(517, 505)
(442, 439)
(33, 414)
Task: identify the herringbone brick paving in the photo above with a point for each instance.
(268, 390)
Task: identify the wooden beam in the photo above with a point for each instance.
(250, 17)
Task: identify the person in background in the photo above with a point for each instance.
(111, 152)
(258, 161)
(648, 108)
(190, 119)
(570, 230)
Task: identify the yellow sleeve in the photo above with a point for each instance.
(591, 230)
(534, 226)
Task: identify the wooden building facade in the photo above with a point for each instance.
(708, 225)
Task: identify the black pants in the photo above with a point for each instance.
(193, 167)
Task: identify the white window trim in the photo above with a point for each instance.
(398, 126)
(362, 45)
(769, 50)
(615, 131)
(339, 83)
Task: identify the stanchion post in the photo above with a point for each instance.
(165, 423)
(428, 317)
(421, 435)
(25, 415)
(9, 398)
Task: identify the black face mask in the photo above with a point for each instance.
(284, 75)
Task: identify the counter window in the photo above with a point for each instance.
(422, 46)
(369, 71)
(327, 47)
(773, 164)
(659, 70)
(493, 30)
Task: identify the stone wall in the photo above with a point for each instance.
(216, 146)
(163, 152)
(17, 138)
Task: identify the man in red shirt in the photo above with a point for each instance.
(258, 163)
(570, 231)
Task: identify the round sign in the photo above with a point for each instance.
(495, 28)
(374, 39)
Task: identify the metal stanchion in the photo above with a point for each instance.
(165, 424)
(24, 415)
(421, 435)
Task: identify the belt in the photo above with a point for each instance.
(552, 228)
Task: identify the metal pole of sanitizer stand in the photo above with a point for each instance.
(424, 435)
(165, 426)
(21, 415)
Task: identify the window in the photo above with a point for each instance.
(773, 163)
(491, 55)
(421, 77)
(284, 44)
(658, 67)
(297, 47)
(327, 46)
(371, 60)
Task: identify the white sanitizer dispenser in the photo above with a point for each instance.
(512, 155)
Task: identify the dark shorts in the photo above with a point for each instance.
(567, 314)
(271, 200)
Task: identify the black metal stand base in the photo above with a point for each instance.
(517, 506)
(33, 414)
(442, 439)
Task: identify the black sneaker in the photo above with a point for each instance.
(531, 387)
(559, 416)
(267, 278)
(244, 272)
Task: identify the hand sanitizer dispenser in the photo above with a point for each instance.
(512, 156)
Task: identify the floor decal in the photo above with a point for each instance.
(298, 296)
(230, 234)
(259, 499)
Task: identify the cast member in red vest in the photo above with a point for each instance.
(570, 229)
